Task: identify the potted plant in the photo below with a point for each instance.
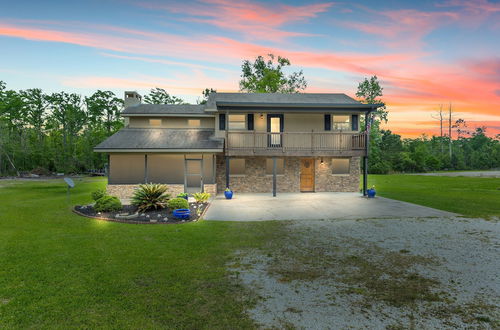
(183, 195)
(371, 192)
(228, 193)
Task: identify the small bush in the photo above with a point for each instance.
(178, 203)
(182, 195)
(108, 204)
(201, 197)
(98, 194)
(150, 196)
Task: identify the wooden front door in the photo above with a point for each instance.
(307, 175)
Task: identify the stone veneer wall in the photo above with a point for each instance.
(326, 181)
(256, 180)
(125, 191)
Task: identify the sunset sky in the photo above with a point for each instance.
(425, 53)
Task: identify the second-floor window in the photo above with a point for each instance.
(155, 122)
(236, 122)
(341, 123)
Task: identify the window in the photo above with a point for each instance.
(280, 166)
(340, 165)
(237, 166)
(341, 123)
(194, 123)
(155, 122)
(237, 122)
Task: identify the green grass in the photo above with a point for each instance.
(62, 270)
(474, 197)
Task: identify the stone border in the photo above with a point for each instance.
(135, 222)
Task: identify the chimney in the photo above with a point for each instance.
(131, 98)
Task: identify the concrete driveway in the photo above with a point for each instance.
(313, 206)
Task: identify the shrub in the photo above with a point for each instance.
(182, 195)
(150, 196)
(98, 194)
(108, 204)
(178, 203)
(201, 197)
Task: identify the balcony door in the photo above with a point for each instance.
(275, 128)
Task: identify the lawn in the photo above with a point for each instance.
(474, 197)
(62, 270)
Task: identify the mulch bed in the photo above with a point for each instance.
(163, 216)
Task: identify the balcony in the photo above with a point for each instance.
(253, 143)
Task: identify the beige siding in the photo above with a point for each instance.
(126, 168)
(294, 122)
(164, 168)
(171, 122)
(304, 122)
(129, 168)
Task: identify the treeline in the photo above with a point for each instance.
(43, 133)
(55, 132)
(390, 153)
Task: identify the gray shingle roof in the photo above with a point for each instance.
(279, 98)
(152, 109)
(161, 138)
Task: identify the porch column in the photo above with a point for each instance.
(227, 171)
(365, 158)
(274, 176)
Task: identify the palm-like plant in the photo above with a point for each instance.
(150, 196)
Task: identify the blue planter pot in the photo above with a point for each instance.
(182, 214)
(228, 194)
(371, 193)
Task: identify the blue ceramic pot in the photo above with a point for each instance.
(371, 193)
(182, 214)
(228, 194)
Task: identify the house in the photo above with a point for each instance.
(250, 142)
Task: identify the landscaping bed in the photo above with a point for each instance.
(130, 214)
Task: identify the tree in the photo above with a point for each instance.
(263, 76)
(160, 96)
(206, 93)
(369, 91)
(104, 107)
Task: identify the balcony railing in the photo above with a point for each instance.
(307, 142)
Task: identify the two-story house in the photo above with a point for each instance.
(250, 142)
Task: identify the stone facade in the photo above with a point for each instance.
(255, 179)
(326, 181)
(125, 191)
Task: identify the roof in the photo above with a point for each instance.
(165, 109)
(161, 139)
(280, 98)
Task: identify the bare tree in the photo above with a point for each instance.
(439, 116)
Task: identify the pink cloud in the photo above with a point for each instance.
(253, 20)
(409, 79)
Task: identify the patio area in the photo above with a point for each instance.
(313, 206)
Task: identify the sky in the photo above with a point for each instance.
(425, 53)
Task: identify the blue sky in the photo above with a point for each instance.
(425, 53)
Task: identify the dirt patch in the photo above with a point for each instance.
(400, 273)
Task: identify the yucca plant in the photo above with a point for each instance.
(150, 196)
(201, 197)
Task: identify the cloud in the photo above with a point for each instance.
(410, 79)
(255, 21)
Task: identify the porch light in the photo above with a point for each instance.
(321, 162)
(261, 116)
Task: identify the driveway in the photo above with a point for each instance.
(313, 206)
